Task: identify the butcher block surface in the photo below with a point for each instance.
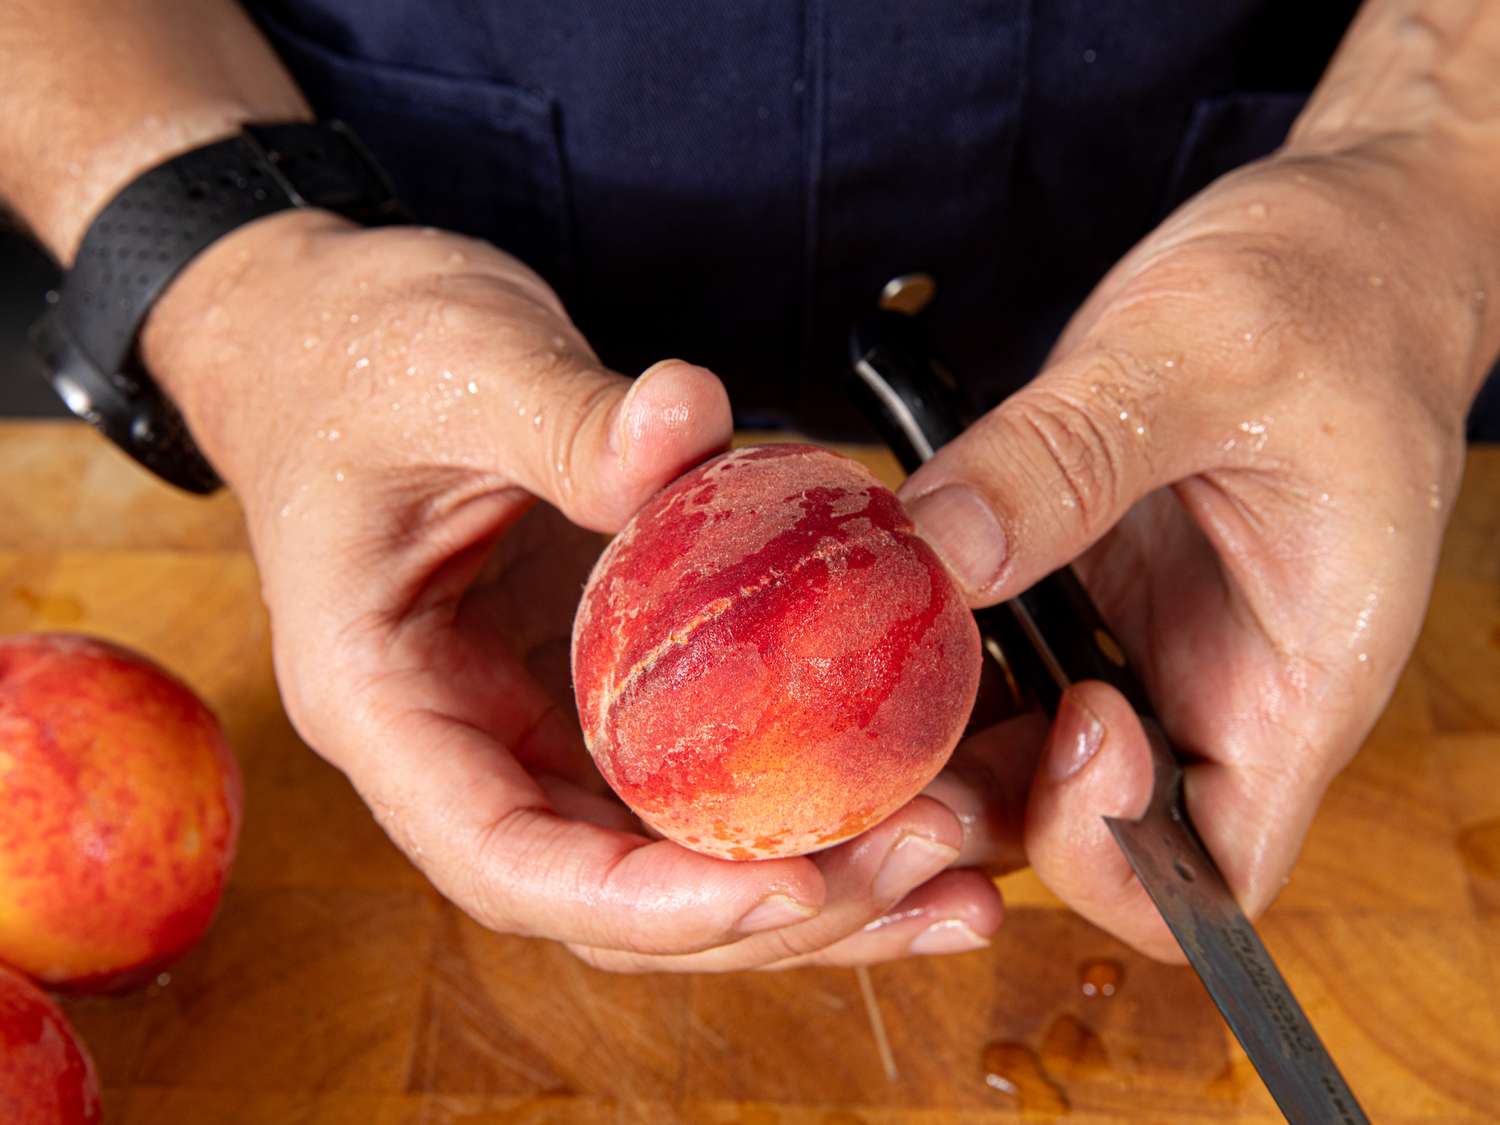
(336, 986)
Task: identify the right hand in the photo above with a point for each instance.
(388, 405)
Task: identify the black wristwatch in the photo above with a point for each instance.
(148, 234)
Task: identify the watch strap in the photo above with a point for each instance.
(149, 233)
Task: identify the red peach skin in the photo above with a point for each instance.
(768, 660)
(46, 1075)
(121, 810)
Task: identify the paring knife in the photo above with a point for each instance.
(1052, 636)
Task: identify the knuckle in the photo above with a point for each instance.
(1080, 452)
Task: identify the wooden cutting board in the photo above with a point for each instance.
(337, 987)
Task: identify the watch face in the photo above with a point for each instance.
(125, 406)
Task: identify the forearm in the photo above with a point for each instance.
(1415, 86)
(98, 91)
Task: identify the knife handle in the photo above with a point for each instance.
(1052, 635)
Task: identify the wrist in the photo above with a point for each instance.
(195, 342)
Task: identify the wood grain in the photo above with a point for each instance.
(336, 987)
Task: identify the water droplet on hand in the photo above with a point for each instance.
(362, 362)
(310, 342)
(354, 318)
(536, 420)
(1257, 210)
(1376, 280)
(473, 387)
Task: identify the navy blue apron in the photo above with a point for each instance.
(733, 182)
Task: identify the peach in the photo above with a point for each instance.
(121, 809)
(767, 659)
(46, 1076)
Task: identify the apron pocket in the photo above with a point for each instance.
(466, 154)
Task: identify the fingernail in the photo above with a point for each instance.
(773, 912)
(1079, 734)
(632, 419)
(913, 861)
(948, 936)
(964, 532)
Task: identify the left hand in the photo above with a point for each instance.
(1249, 438)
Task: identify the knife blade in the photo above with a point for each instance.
(1051, 637)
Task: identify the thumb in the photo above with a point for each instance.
(596, 445)
(1034, 483)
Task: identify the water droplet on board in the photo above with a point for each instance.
(1226, 1085)
(1257, 210)
(1014, 1071)
(1479, 848)
(1072, 1050)
(1100, 978)
(54, 609)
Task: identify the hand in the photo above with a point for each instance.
(1249, 438)
(388, 406)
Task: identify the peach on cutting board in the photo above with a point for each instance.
(121, 810)
(767, 659)
(46, 1075)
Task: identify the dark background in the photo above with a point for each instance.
(26, 273)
